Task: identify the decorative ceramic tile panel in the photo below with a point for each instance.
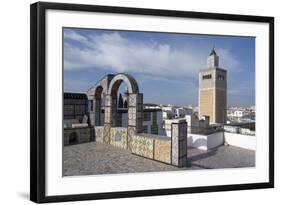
(162, 150)
(132, 122)
(132, 100)
(106, 133)
(131, 134)
(142, 146)
(119, 137)
(99, 134)
(107, 115)
(132, 113)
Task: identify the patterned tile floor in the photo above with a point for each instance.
(95, 158)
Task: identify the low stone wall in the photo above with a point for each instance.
(153, 147)
(170, 150)
(77, 135)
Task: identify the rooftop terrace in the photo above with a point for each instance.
(95, 158)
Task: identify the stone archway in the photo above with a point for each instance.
(95, 96)
(135, 107)
(171, 150)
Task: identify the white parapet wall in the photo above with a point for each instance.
(205, 142)
(215, 140)
(197, 141)
(239, 140)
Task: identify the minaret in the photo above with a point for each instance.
(213, 90)
(126, 98)
(213, 59)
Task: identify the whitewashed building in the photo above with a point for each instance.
(182, 112)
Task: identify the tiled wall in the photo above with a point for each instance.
(143, 146)
(162, 150)
(99, 134)
(152, 147)
(170, 150)
(118, 137)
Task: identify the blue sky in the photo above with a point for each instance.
(165, 65)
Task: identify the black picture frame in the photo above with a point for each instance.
(38, 100)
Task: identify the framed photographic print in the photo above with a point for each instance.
(129, 102)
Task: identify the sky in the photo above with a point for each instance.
(165, 65)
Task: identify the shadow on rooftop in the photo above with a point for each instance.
(202, 155)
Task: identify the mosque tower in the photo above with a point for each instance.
(213, 90)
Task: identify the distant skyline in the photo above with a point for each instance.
(165, 65)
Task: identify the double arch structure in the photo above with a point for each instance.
(171, 150)
(107, 88)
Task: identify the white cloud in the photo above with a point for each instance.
(120, 54)
(69, 34)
